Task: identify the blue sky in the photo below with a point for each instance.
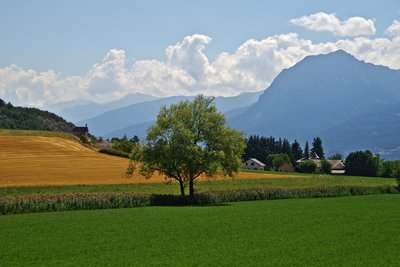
(70, 37)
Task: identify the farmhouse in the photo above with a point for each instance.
(253, 164)
(337, 164)
(79, 131)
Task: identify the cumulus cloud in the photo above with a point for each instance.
(27, 87)
(323, 22)
(188, 55)
(394, 29)
(187, 70)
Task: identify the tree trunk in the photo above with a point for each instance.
(191, 188)
(182, 186)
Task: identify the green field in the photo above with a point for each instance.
(345, 231)
(173, 188)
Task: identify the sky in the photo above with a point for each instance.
(55, 51)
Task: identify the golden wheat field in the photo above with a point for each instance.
(39, 160)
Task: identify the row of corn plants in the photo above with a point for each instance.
(89, 201)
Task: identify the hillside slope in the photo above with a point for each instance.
(378, 130)
(38, 160)
(31, 119)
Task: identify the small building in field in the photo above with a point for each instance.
(285, 167)
(337, 166)
(253, 164)
(79, 131)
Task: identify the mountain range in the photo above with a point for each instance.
(124, 121)
(335, 96)
(86, 110)
(352, 105)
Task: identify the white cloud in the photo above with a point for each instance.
(27, 87)
(393, 29)
(186, 70)
(188, 55)
(323, 22)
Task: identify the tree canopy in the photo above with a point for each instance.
(362, 163)
(187, 140)
(274, 161)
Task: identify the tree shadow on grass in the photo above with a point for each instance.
(177, 200)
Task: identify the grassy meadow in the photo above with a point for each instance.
(346, 231)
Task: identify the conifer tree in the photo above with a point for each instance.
(306, 151)
(317, 147)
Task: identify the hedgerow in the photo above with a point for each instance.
(114, 152)
(90, 201)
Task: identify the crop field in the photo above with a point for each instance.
(345, 231)
(201, 186)
(27, 158)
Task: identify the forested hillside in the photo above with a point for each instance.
(31, 119)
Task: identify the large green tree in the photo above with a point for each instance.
(362, 163)
(189, 139)
(274, 161)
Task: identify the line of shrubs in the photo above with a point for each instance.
(114, 152)
(91, 201)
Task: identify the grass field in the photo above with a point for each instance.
(346, 231)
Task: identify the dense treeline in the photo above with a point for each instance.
(275, 152)
(365, 163)
(120, 147)
(31, 119)
(260, 147)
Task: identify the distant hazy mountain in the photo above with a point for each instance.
(88, 110)
(141, 128)
(127, 118)
(138, 129)
(60, 106)
(320, 93)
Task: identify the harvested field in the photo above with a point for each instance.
(39, 160)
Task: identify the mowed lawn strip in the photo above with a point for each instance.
(347, 231)
(201, 186)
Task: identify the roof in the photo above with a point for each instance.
(257, 161)
(314, 156)
(337, 164)
(81, 129)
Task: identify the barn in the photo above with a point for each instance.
(253, 164)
